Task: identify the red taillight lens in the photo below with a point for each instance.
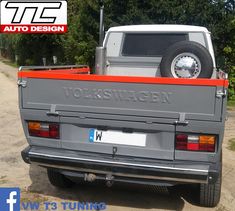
(195, 143)
(181, 142)
(54, 131)
(44, 130)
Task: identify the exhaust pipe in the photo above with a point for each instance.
(101, 33)
(100, 59)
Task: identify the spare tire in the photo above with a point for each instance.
(187, 59)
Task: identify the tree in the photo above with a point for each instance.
(78, 45)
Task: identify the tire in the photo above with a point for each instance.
(187, 50)
(210, 193)
(58, 180)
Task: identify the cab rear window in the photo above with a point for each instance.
(149, 45)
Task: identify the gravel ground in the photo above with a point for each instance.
(35, 186)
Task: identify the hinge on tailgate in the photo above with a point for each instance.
(181, 120)
(53, 111)
(221, 93)
(22, 83)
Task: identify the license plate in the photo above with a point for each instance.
(116, 137)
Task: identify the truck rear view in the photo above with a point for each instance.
(134, 128)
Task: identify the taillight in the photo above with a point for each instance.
(204, 143)
(44, 130)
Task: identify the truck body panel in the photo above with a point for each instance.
(132, 99)
(157, 108)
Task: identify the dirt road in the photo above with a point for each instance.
(35, 186)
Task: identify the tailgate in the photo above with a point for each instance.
(197, 102)
(131, 105)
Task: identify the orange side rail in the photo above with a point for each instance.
(76, 75)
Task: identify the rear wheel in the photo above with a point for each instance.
(58, 180)
(210, 193)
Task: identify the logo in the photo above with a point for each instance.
(9, 199)
(118, 95)
(37, 16)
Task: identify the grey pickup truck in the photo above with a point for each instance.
(154, 112)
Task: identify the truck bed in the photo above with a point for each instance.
(154, 98)
(156, 107)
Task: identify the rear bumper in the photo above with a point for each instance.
(121, 168)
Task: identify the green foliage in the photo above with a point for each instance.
(78, 45)
(229, 52)
(231, 144)
(8, 45)
(32, 48)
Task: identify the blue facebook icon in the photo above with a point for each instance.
(9, 199)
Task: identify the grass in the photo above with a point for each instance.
(37, 199)
(231, 104)
(231, 144)
(3, 180)
(28, 196)
(7, 62)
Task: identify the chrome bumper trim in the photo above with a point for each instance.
(188, 170)
(171, 179)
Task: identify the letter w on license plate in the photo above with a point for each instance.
(116, 137)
